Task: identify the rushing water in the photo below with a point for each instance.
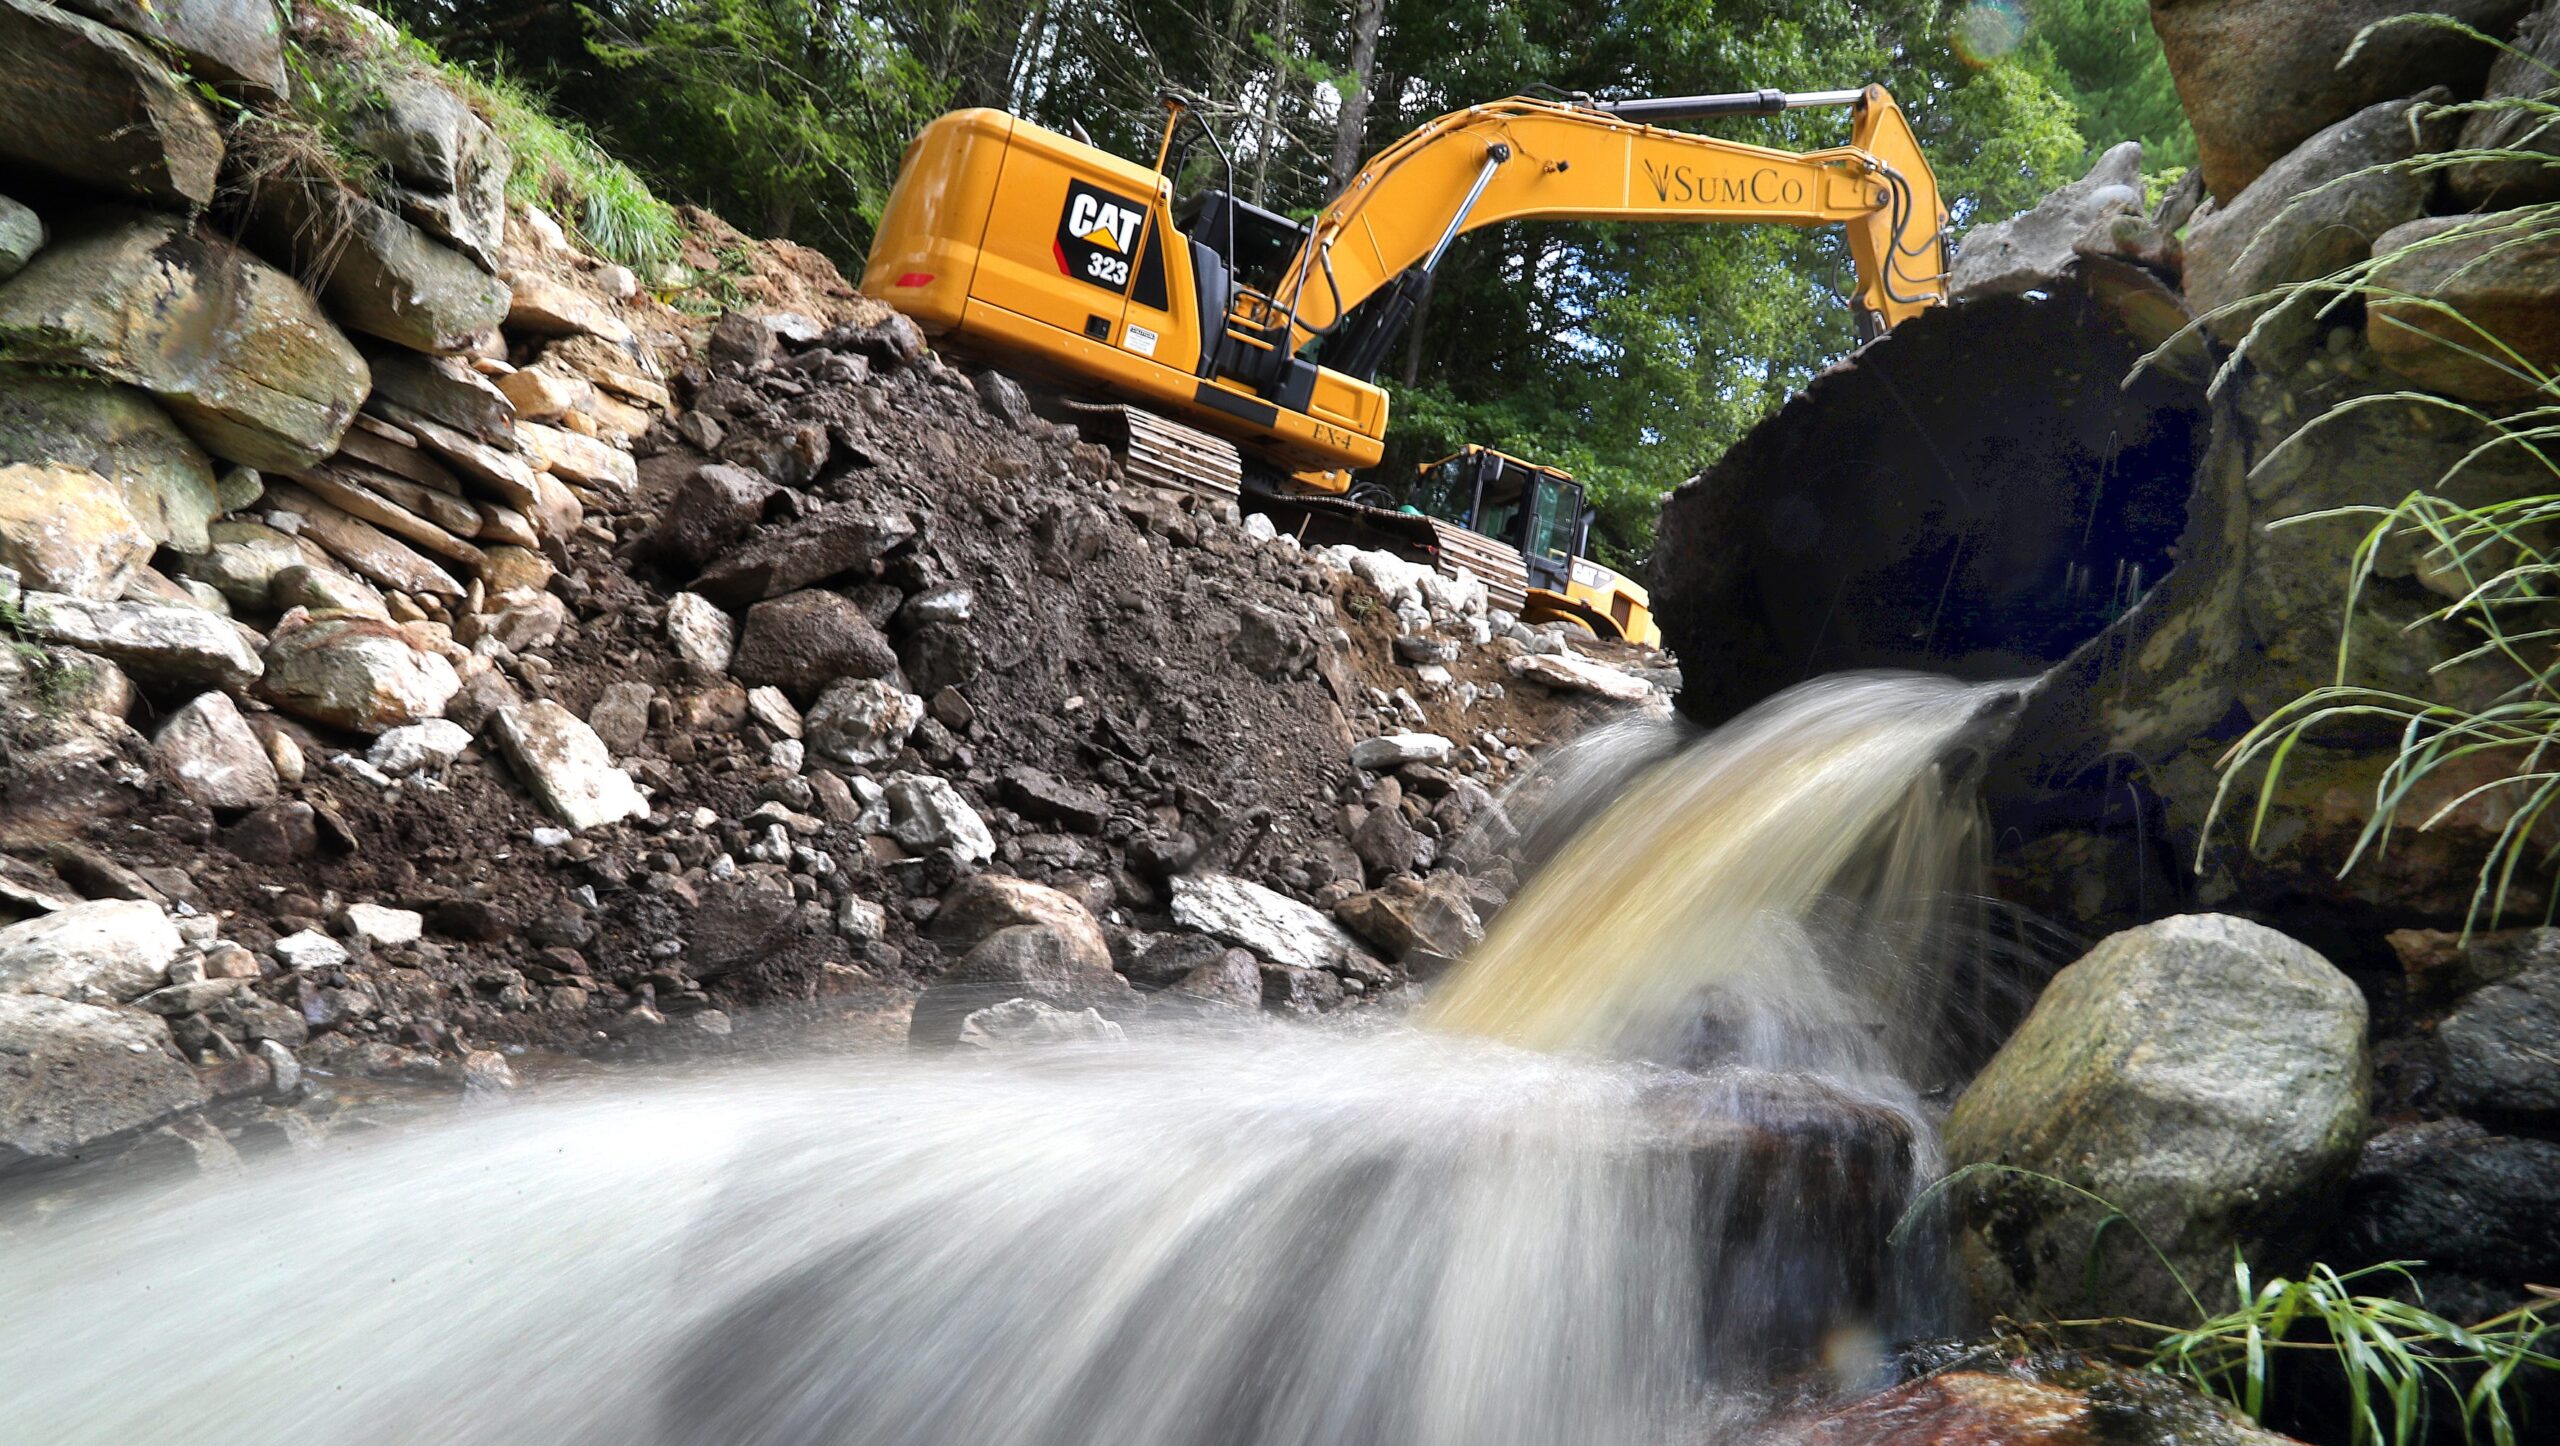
(1627, 1235)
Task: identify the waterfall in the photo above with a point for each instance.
(1632, 1176)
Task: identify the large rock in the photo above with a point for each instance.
(450, 167)
(2205, 1076)
(444, 389)
(1019, 961)
(1414, 917)
(236, 43)
(711, 509)
(235, 349)
(382, 275)
(119, 433)
(208, 750)
(2259, 77)
(2056, 1402)
(355, 672)
(2503, 278)
(2521, 75)
(1574, 673)
(22, 235)
(74, 1074)
(801, 642)
(980, 905)
(862, 721)
(2502, 1049)
(926, 813)
(110, 950)
(155, 642)
(1271, 924)
(94, 107)
(2026, 251)
(243, 562)
(2476, 1207)
(567, 765)
(835, 540)
(66, 529)
(2303, 218)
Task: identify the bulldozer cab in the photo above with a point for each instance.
(1539, 510)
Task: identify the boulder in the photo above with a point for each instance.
(801, 642)
(74, 1074)
(832, 541)
(2053, 1402)
(1043, 797)
(1019, 961)
(111, 950)
(1570, 672)
(153, 641)
(2475, 1206)
(119, 433)
(363, 547)
(567, 766)
(1271, 924)
(318, 588)
(243, 561)
(703, 636)
(2499, 274)
(2521, 75)
(443, 389)
(1231, 981)
(96, 108)
(234, 43)
(237, 351)
(583, 460)
(208, 750)
(2205, 1076)
(2025, 252)
(542, 306)
(981, 904)
(738, 926)
(449, 166)
(926, 813)
(1304, 993)
(1030, 1024)
(66, 529)
(711, 509)
(1410, 917)
(22, 235)
(862, 721)
(2303, 218)
(1387, 845)
(381, 274)
(2260, 77)
(355, 672)
(2499, 1049)
(418, 747)
(1395, 750)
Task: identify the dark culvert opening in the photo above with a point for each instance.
(1977, 494)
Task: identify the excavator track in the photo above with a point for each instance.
(1179, 462)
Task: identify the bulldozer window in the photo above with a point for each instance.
(1554, 509)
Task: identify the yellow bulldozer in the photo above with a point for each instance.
(1232, 348)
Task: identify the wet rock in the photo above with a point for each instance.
(1300, 992)
(66, 529)
(1231, 981)
(1043, 797)
(804, 641)
(978, 906)
(74, 1074)
(862, 721)
(2442, 965)
(2260, 77)
(1030, 1024)
(1021, 961)
(1570, 672)
(711, 509)
(1413, 917)
(2089, 1405)
(1167, 959)
(703, 635)
(22, 235)
(2498, 275)
(2304, 218)
(830, 542)
(2025, 252)
(567, 766)
(154, 642)
(2475, 1206)
(1394, 750)
(486, 1072)
(119, 433)
(236, 350)
(106, 950)
(2499, 1049)
(2522, 74)
(355, 672)
(208, 750)
(2206, 1075)
(1271, 924)
(927, 813)
(97, 108)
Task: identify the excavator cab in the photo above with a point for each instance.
(1542, 515)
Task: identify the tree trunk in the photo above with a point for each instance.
(1269, 139)
(1350, 123)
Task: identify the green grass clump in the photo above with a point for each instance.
(559, 167)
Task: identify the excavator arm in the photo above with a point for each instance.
(1531, 159)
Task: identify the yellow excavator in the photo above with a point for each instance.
(1215, 325)
(1525, 529)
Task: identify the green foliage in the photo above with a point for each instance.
(2104, 59)
(603, 203)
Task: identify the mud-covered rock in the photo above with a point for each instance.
(208, 750)
(862, 721)
(2206, 1076)
(833, 541)
(237, 351)
(803, 642)
(153, 641)
(710, 510)
(105, 950)
(1410, 917)
(1030, 1024)
(1019, 961)
(355, 672)
(567, 766)
(74, 1074)
(91, 106)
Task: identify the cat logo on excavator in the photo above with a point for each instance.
(1096, 233)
